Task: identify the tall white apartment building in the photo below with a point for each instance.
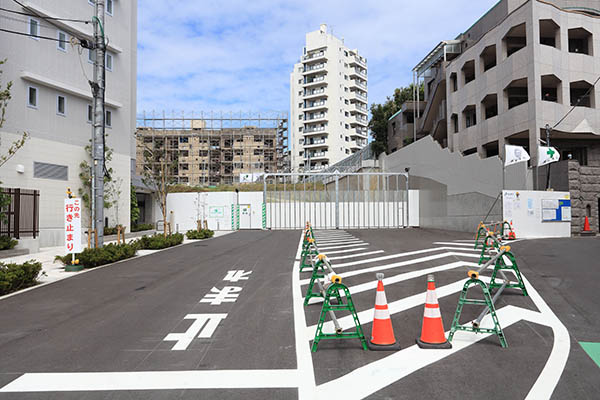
(328, 103)
(52, 99)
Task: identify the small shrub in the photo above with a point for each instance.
(159, 241)
(7, 243)
(201, 234)
(107, 254)
(113, 230)
(142, 227)
(15, 277)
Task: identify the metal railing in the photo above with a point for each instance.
(20, 218)
(313, 55)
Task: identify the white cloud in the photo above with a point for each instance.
(236, 55)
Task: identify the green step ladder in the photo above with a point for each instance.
(502, 266)
(318, 273)
(487, 302)
(333, 291)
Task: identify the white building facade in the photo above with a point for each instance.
(52, 99)
(328, 103)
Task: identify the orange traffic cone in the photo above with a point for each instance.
(432, 333)
(382, 333)
(586, 225)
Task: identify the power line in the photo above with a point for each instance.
(46, 18)
(33, 36)
(577, 103)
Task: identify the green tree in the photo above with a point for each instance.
(134, 212)
(14, 147)
(381, 113)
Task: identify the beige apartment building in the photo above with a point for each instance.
(524, 65)
(203, 154)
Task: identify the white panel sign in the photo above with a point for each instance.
(73, 226)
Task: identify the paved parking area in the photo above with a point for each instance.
(225, 319)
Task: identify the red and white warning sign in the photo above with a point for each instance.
(73, 226)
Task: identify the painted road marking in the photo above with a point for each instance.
(398, 255)
(372, 377)
(333, 242)
(154, 380)
(396, 265)
(346, 251)
(228, 294)
(456, 244)
(204, 326)
(592, 350)
(344, 246)
(368, 253)
(236, 275)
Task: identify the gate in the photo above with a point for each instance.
(20, 216)
(359, 200)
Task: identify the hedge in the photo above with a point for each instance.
(15, 277)
(201, 234)
(142, 227)
(7, 243)
(159, 241)
(107, 254)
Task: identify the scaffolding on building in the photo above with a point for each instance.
(210, 148)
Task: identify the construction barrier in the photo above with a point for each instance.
(502, 260)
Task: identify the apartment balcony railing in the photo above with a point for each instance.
(318, 167)
(314, 67)
(313, 155)
(315, 129)
(313, 92)
(315, 104)
(313, 55)
(311, 117)
(360, 72)
(360, 118)
(314, 142)
(360, 107)
(360, 84)
(361, 131)
(314, 80)
(360, 96)
(360, 60)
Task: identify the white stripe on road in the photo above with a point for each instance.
(346, 251)
(154, 380)
(368, 253)
(344, 246)
(334, 242)
(456, 244)
(396, 265)
(398, 255)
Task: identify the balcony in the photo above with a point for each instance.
(311, 69)
(314, 56)
(314, 93)
(358, 72)
(315, 143)
(314, 117)
(361, 119)
(315, 105)
(358, 83)
(313, 129)
(357, 60)
(318, 168)
(361, 132)
(361, 108)
(315, 80)
(315, 155)
(356, 95)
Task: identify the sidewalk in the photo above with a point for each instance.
(54, 271)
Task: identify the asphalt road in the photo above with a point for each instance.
(116, 318)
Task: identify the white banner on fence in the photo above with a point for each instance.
(73, 226)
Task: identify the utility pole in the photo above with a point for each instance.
(548, 130)
(98, 125)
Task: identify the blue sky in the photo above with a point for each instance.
(231, 55)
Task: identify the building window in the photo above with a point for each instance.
(515, 39)
(488, 57)
(90, 113)
(470, 116)
(579, 41)
(34, 28)
(183, 139)
(489, 106)
(454, 119)
(551, 87)
(62, 41)
(454, 81)
(549, 33)
(109, 62)
(61, 105)
(468, 71)
(581, 94)
(109, 7)
(516, 93)
(32, 97)
(108, 119)
(91, 55)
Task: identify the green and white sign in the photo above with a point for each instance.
(216, 212)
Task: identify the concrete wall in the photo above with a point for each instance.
(455, 192)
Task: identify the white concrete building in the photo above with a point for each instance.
(51, 100)
(328, 103)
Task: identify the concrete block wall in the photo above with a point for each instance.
(584, 185)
